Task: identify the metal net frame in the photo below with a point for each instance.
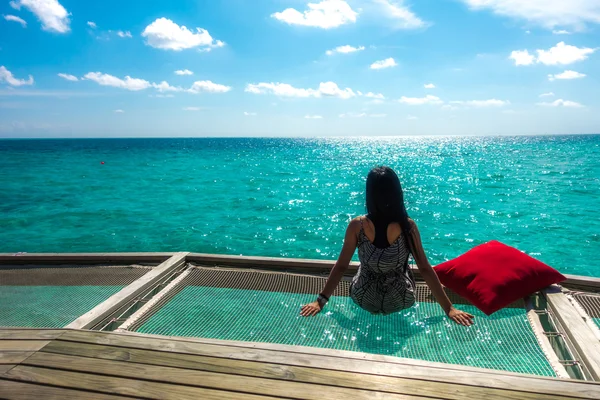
(39, 296)
(228, 304)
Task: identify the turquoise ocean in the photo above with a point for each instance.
(294, 197)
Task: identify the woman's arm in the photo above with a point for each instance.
(338, 270)
(432, 280)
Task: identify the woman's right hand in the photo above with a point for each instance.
(311, 309)
(460, 317)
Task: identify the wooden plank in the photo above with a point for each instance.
(212, 380)
(284, 372)
(543, 341)
(276, 263)
(29, 334)
(22, 345)
(582, 337)
(584, 283)
(133, 318)
(525, 383)
(4, 368)
(14, 390)
(121, 386)
(100, 312)
(80, 258)
(13, 357)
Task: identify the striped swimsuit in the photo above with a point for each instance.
(384, 283)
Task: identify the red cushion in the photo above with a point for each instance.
(493, 275)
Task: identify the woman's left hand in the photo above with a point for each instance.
(460, 317)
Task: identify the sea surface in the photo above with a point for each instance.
(294, 197)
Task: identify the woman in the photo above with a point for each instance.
(385, 238)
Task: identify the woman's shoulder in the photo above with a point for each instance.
(357, 223)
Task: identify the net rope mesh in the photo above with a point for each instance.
(591, 304)
(53, 296)
(260, 306)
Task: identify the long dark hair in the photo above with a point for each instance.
(385, 201)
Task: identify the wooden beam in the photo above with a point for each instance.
(29, 334)
(81, 258)
(15, 390)
(582, 337)
(370, 364)
(583, 283)
(545, 345)
(22, 345)
(287, 372)
(278, 263)
(13, 357)
(210, 380)
(128, 293)
(585, 316)
(134, 318)
(121, 386)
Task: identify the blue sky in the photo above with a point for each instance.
(298, 68)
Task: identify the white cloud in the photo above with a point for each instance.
(51, 14)
(449, 107)
(167, 35)
(561, 103)
(193, 108)
(522, 57)
(249, 114)
(549, 94)
(375, 101)
(14, 18)
(128, 83)
(313, 117)
(387, 63)
(482, 103)
(331, 89)
(419, 101)
(361, 115)
(353, 115)
(429, 86)
(119, 111)
(183, 72)
(208, 86)
(412, 117)
(92, 24)
(68, 77)
(560, 54)
(165, 87)
(563, 54)
(561, 32)
(401, 14)
(344, 49)
(566, 75)
(122, 34)
(326, 14)
(375, 96)
(546, 13)
(7, 76)
(326, 89)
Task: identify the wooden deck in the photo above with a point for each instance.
(76, 364)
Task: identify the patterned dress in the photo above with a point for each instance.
(384, 283)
